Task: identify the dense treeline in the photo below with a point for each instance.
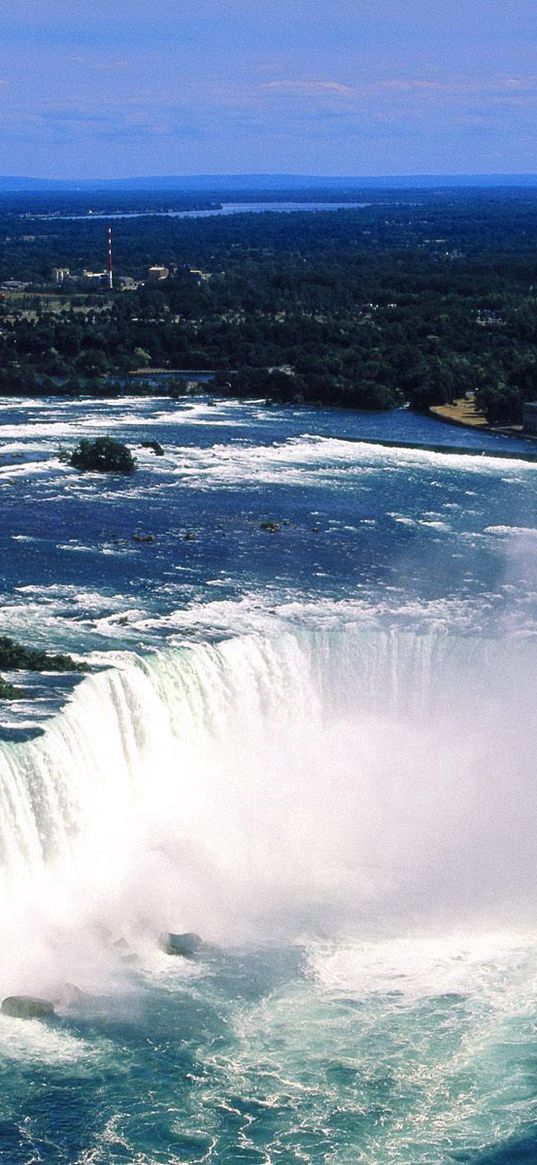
(418, 296)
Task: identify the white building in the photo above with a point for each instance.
(529, 421)
(95, 276)
(155, 274)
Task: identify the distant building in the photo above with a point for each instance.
(126, 283)
(487, 318)
(15, 285)
(156, 274)
(59, 274)
(95, 276)
(529, 419)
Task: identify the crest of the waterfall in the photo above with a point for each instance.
(306, 783)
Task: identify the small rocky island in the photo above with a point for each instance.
(103, 455)
(15, 657)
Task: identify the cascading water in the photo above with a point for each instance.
(306, 785)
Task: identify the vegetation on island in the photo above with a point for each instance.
(103, 454)
(415, 296)
(10, 691)
(16, 657)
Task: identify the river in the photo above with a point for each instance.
(308, 736)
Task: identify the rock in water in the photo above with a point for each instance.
(187, 945)
(155, 446)
(27, 1007)
(71, 996)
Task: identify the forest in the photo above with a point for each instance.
(411, 296)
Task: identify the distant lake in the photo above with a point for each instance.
(226, 208)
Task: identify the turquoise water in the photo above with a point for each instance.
(313, 745)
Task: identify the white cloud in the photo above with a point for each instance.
(305, 88)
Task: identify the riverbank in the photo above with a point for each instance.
(461, 412)
(464, 412)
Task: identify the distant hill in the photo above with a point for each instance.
(219, 183)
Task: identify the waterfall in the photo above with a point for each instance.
(314, 781)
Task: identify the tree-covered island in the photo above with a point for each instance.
(17, 657)
(416, 296)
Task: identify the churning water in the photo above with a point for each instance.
(310, 741)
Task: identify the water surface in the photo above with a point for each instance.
(309, 736)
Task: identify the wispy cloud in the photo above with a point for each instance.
(305, 88)
(454, 89)
(268, 85)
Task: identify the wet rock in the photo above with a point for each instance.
(27, 1007)
(137, 537)
(190, 536)
(71, 1000)
(186, 945)
(270, 525)
(155, 446)
(72, 996)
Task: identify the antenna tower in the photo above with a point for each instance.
(110, 266)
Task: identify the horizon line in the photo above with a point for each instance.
(260, 174)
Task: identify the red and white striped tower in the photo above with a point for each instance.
(110, 267)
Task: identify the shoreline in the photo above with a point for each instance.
(463, 414)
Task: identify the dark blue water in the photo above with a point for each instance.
(349, 521)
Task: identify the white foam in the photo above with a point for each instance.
(493, 967)
(268, 785)
(33, 1041)
(529, 532)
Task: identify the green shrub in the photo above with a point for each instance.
(103, 454)
(9, 691)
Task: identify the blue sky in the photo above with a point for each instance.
(357, 87)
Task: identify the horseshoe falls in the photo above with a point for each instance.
(308, 736)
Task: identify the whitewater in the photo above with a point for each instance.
(308, 736)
